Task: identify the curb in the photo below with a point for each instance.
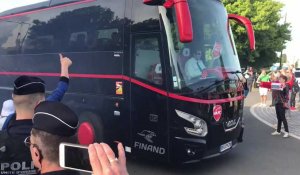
(265, 122)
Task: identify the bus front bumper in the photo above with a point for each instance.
(192, 150)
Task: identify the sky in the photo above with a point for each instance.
(291, 10)
(9, 4)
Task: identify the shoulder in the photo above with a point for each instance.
(190, 62)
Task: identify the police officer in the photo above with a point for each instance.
(27, 94)
(54, 123)
(25, 85)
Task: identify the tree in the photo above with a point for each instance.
(270, 35)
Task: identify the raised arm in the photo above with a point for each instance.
(63, 84)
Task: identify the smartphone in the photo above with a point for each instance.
(74, 157)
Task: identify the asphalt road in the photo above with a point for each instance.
(259, 154)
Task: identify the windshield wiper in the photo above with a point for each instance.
(235, 73)
(217, 82)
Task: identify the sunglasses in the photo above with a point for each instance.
(28, 143)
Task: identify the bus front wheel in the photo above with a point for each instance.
(90, 128)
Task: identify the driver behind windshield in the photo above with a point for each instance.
(194, 66)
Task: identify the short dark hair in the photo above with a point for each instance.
(49, 144)
(283, 77)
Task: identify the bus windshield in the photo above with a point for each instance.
(212, 47)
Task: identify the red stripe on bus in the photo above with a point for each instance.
(58, 74)
(197, 100)
(44, 9)
(126, 78)
(162, 92)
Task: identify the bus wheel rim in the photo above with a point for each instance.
(86, 134)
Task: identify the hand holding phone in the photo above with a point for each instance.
(98, 159)
(104, 162)
(74, 157)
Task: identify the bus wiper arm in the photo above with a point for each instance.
(234, 72)
(213, 84)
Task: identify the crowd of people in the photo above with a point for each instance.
(283, 86)
(43, 124)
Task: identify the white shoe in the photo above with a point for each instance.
(275, 133)
(286, 135)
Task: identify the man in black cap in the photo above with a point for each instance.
(53, 123)
(29, 91)
(27, 94)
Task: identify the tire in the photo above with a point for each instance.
(94, 124)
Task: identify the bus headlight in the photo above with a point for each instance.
(200, 126)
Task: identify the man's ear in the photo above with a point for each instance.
(36, 157)
(41, 100)
(36, 152)
(38, 102)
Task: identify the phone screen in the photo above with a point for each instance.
(77, 158)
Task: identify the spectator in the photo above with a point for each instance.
(295, 90)
(7, 109)
(249, 75)
(263, 92)
(27, 94)
(281, 101)
(274, 79)
(283, 71)
(292, 67)
(291, 80)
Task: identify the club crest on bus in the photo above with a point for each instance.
(217, 112)
(148, 135)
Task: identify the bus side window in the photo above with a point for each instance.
(147, 60)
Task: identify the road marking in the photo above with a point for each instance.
(264, 121)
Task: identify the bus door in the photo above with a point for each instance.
(148, 96)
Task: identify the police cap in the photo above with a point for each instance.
(55, 118)
(25, 85)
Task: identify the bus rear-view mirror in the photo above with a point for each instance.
(183, 17)
(247, 23)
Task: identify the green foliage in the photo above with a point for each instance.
(270, 35)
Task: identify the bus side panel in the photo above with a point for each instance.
(149, 109)
(91, 35)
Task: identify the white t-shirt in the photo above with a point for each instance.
(193, 68)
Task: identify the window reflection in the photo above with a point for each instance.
(70, 29)
(147, 60)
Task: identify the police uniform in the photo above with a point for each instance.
(15, 157)
(56, 95)
(57, 119)
(63, 172)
